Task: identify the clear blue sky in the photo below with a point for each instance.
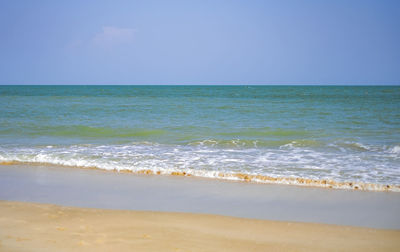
(200, 42)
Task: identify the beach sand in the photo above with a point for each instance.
(44, 227)
(109, 211)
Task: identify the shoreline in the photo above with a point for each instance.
(46, 227)
(240, 177)
(111, 190)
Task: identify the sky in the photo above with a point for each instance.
(346, 42)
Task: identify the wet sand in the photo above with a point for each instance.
(111, 190)
(43, 227)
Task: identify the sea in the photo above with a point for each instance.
(328, 136)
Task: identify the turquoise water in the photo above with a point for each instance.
(336, 133)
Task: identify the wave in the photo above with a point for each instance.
(249, 143)
(265, 132)
(354, 146)
(394, 149)
(188, 131)
(94, 132)
(289, 164)
(243, 177)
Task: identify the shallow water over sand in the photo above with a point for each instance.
(100, 189)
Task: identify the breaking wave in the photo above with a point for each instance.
(289, 164)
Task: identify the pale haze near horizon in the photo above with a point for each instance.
(200, 42)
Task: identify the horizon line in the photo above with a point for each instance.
(288, 84)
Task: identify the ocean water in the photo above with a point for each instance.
(331, 136)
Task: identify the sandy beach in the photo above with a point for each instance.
(44, 227)
(90, 210)
(184, 126)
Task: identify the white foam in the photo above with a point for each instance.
(206, 161)
(395, 149)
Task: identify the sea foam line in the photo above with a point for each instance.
(243, 177)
